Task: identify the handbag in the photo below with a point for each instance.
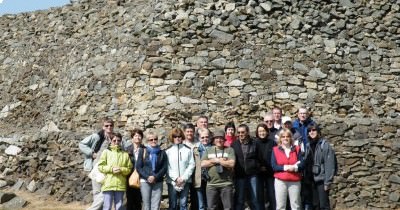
(96, 175)
(134, 180)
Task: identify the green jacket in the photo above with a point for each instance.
(110, 158)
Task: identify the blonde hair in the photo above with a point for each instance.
(175, 132)
(283, 132)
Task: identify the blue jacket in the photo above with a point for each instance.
(302, 128)
(143, 165)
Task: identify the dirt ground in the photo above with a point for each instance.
(37, 202)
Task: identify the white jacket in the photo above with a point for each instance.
(180, 163)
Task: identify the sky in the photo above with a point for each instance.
(17, 6)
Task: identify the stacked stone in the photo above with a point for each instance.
(156, 64)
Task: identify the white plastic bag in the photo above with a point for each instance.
(96, 175)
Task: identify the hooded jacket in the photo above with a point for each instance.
(111, 157)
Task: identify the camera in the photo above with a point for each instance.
(220, 169)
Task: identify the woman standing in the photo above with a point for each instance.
(230, 134)
(323, 164)
(116, 166)
(266, 173)
(286, 161)
(180, 168)
(133, 195)
(151, 166)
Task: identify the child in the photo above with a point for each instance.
(116, 165)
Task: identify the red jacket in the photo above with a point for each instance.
(279, 159)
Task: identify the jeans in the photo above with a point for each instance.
(322, 195)
(174, 196)
(98, 198)
(151, 195)
(110, 196)
(248, 186)
(216, 193)
(282, 189)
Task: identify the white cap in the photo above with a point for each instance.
(286, 119)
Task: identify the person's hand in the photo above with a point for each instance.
(180, 182)
(151, 179)
(215, 161)
(326, 187)
(94, 155)
(116, 170)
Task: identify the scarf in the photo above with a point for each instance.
(229, 140)
(153, 152)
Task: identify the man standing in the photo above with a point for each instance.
(219, 161)
(92, 147)
(277, 112)
(302, 122)
(247, 169)
(269, 121)
(196, 194)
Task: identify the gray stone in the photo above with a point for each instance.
(266, 6)
(246, 64)
(15, 203)
(394, 178)
(357, 143)
(6, 196)
(31, 186)
(300, 67)
(3, 183)
(236, 83)
(222, 37)
(317, 73)
(219, 62)
(12, 150)
(394, 197)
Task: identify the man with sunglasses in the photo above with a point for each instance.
(92, 147)
(269, 121)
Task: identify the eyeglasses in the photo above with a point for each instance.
(173, 136)
(268, 121)
(108, 125)
(117, 140)
(152, 139)
(204, 137)
(312, 130)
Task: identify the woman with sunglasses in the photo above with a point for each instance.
(152, 167)
(116, 166)
(180, 168)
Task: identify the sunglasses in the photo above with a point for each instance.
(267, 121)
(152, 139)
(118, 140)
(312, 130)
(204, 137)
(174, 136)
(108, 125)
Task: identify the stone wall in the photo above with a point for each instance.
(157, 64)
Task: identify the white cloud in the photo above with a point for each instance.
(1, 1)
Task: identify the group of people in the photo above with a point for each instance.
(285, 164)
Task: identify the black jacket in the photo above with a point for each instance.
(143, 166)
(265, 146)
(249, 165)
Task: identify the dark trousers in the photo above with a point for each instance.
(322, 196)
(270, 192)
(215, 194)
(307, 194)
(133, 199)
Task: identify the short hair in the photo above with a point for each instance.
(277, 108)
(246, 127)
(137, 131)
(203, 130)
(269, 114)
(203, 117)
(118, 135)
(175, 132)
(303, 107)
(107, 120)
(188, 126)
(282, 132)
(230, 125)
(262, 125)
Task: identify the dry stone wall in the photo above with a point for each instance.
(156, 64)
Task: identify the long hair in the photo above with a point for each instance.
(175, 132)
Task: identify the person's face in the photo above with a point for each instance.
(202, 123)
(277, 114)
(286, 139)
(189, 134)
(230, 132)
(287, 125)
(177, 139)
(204, 138)
(152, 140)
(313, 133)
(269, 121)
(219, 142)
(242, 133)
(108, 127)
(137, 138)
(116, 141)
(262, 133)
(302, 115)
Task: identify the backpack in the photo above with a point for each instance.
(334, 156)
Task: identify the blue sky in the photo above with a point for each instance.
(17, 6)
